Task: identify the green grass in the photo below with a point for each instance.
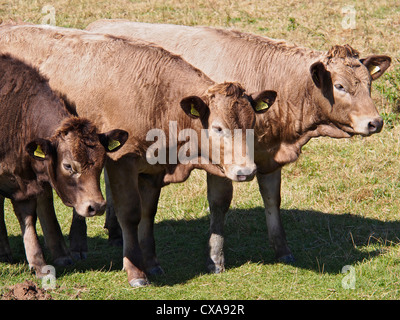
(340, 201)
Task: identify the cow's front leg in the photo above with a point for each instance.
(26, 214)
(78, 237)
(53, 236)
(123, 178)
(150, 189)
(5, 250)
(270, 189)
(219, 194)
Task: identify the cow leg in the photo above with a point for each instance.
(78, 237)
(123, 178)
(219, 194)
(5, 250)
(26, 214)
(270, 189)
(111, 224)
(150, 189)
(51, 229)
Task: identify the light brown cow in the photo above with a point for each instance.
(320, 94)
(140, 87)
(42, 145)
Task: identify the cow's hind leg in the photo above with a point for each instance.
(53, 236)
(270, 189)
(5, 250)
(26, 214)
(219, 194)
(111, 224)
(150, 189)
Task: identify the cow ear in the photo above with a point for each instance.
(262, 101)
(318, 73)
(194, 107)
(376, 65)
(113, 140)
(39, 149)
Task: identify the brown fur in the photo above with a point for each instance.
(227, 88)
(342, 52)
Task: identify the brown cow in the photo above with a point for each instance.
(140, 87)
(320, 94)
(42, 144)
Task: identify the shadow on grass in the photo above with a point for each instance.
(322, 242)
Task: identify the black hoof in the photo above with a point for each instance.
(137, 283)
(156, 271)
(117, 242)
(287, 259)
(212, 268)
(63, 261)
(6, 258)
(78, 255)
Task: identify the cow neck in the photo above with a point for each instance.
(295, 118)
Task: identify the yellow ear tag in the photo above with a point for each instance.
(193, 111)
(373, 69)
(112, 144)
(39, 152)
(262, 105)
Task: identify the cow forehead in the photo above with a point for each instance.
(351, 70)
(235, 112)
(86, 151)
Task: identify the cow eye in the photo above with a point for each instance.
(217, 129)
(339, 87)
(67, 167)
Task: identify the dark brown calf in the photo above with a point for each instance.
(42, 146)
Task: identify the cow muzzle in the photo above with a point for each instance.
(375, 126)
(91, 208)
(367, 126)
(241, 173)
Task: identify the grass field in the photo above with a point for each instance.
(340, 200)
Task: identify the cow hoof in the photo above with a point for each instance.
(115, 242)
(78, 255)
(156, 271)
(63, 261)
(212, 268)
(287, 259)
(6, 258)
(137, 283)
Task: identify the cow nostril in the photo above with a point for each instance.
(375, 126)
(371, 127)
(96, 208)
(91, 210)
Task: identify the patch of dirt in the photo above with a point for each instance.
(27, 290)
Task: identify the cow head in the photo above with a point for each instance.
(344, 82)
(227, 112)
(72, 161)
